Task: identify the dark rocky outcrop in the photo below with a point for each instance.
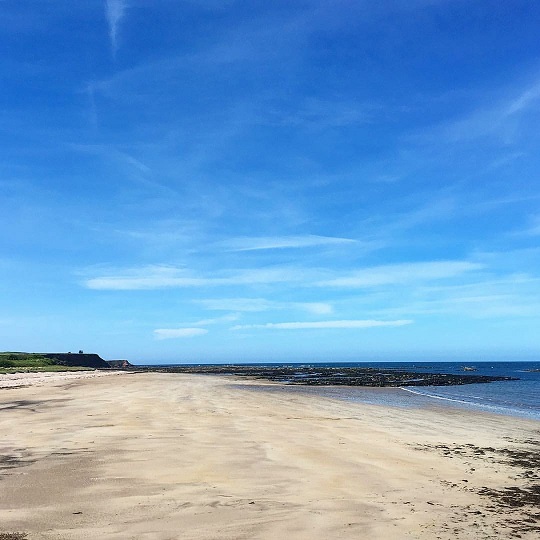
(119, 364)
(311, 375)
(77, 359)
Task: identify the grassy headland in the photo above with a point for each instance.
(16, 362)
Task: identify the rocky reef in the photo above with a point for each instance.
(338, 375)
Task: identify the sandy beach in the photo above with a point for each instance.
(167, 456)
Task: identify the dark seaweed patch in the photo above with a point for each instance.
(11, 461)
(515, 505)
(338, 375)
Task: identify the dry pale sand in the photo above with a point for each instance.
(167, 456)
(21, 379)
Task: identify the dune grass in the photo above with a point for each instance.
(12, 362)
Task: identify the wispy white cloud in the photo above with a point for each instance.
(262, 304)
(491, 306)
(518, 265)
(218, 320)
(120, 157)
(471, 306)
(162, 277)
(509, 295)
(158, 236)
(237, 304)
(193, 329)
(175, 333)
(114, 12)
(247, 243)
(385, 229)
(275, 274)
(365, 323)
(498, 121)
(402, 273)
(151, 277)
(318, 114)
(524, 100)
(534, 229)
(156, 239)
(317, 308)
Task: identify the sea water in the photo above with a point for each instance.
(516, 398)
(519, 398)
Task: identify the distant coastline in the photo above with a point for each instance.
(54, 361)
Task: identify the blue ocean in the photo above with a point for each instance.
(516, 398)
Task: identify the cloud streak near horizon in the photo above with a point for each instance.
(320, 325)
(175, 333)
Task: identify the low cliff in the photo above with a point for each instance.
(77, 359)
(119, 364)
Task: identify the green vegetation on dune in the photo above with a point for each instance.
(30, 369)
(11, 362)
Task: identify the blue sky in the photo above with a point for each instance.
(204, 180)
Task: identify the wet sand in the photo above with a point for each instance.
(168, 456)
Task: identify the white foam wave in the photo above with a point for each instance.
(472, 404)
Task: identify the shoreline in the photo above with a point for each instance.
(163, 456)
(23, 379)
(359, 394)
(398, 397)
